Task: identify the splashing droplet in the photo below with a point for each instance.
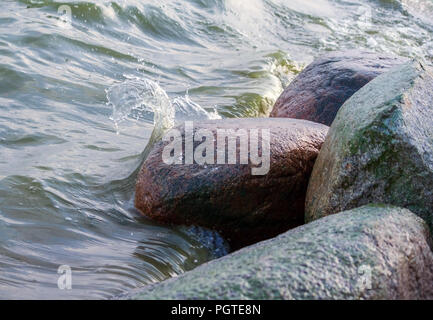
(140, 98)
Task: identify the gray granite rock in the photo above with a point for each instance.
(379, 148)
(372, 252)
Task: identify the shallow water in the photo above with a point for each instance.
(75, 119)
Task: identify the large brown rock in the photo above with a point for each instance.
(320, 90)
(243, 207)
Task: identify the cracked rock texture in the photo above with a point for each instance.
(379, 148)
(228, 198)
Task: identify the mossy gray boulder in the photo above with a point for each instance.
(372, 252)
(379, 148)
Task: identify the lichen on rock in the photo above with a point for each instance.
(379, 148)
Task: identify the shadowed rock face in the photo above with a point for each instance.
(379, 148)
(244, 208)
(372, 252)
(322, 88)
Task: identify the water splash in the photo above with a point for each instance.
(138, 98)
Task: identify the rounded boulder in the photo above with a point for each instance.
(319, 91)
(247, 195)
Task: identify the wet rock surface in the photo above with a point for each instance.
(320, 90)
(372, 252)
(379, 148)
(245, 208)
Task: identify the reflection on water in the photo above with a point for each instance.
(67, 172)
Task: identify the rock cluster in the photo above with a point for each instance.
(368, 205)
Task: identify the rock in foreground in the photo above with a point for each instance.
(373, 252)
(245, 208)
(379, 148)
(321, 89)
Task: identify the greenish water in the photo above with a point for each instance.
(77, 103)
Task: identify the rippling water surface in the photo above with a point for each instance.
(78, 99)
